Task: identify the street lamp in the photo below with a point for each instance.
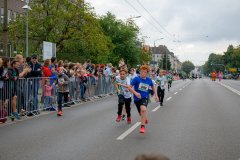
(27, 7)
(155, 49)
(127, 25)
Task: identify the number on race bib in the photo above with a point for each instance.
(143, 87)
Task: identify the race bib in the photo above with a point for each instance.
(143, 87)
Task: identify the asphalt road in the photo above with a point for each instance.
(200, 121)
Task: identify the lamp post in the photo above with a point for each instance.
(27, 7)
(127, 25)
(155, 49)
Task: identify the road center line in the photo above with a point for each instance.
(128, 131)
(180, 89)
(168, 98)
(155, 109)
(175, 92)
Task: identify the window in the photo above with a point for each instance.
(15, 15)
(2, 14)
(9, 16)
(157, 56)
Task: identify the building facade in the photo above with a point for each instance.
(158, 53)
(14, 8)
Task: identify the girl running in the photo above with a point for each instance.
(124, 95)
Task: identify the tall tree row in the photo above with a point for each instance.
(78, 32)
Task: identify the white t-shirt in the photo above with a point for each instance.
(150, 88)
(123, 90)
(132, 76)
(161, 81)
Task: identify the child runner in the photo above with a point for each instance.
(124, 95)
(48, 95)
(150, 88)
(170, 79)
(63, 81)
(141, 94)
(161, 81)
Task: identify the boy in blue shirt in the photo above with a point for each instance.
(141, 94)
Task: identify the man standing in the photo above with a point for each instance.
(33, 83)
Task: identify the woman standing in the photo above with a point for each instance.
(220, 74)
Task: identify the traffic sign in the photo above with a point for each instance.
(233, 69)
(238, 69)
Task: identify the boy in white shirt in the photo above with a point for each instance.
(161, 81)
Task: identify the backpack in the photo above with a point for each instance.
(3, 115)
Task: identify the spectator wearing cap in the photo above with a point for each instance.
(102, 69)
(35, 66)
(33, 84)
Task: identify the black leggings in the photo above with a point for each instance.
(169, 85)
(160, 93)
(121, 101)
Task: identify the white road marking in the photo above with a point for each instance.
(180, 89)
(168, 98)
(128, 131)
(155, 109)
(175, 92)
(230, 88)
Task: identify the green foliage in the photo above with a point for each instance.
(188, 66)
(230, 59)
(164, 63)
(124, 37)
(76, 32)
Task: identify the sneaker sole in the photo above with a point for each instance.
(117, 121)
(59, 114)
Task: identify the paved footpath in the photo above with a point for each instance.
(199, 120)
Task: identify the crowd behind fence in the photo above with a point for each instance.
(32, 96)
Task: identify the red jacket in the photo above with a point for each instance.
(46, 71)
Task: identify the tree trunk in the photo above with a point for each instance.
(5, 29)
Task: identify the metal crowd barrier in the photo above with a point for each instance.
(31, 98)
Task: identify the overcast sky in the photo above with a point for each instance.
(197, 27)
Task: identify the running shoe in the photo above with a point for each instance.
(119, 118)
(142, 130)
(60, 113)
(123, 117)
(161, 104)
(128, 120)
(15, 115)
(146, 121)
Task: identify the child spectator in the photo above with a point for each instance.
(66, 66)
(63, 81)
(60, 64)
(48, 95)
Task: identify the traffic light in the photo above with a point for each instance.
(211, 63)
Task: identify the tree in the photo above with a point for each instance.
(216, 60)
(188, 66)
(124, 37)
(76, 31)
(164, 62)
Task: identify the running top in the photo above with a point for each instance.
(150, 88)
(170, 78)
(132, 76)
(123, 90)
(141, 86)
(161, 81)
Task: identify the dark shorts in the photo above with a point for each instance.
(142, 102)
(170, 82)
(151, 92)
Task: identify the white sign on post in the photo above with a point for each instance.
(49, 50)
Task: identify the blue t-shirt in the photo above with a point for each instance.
(141, 86)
